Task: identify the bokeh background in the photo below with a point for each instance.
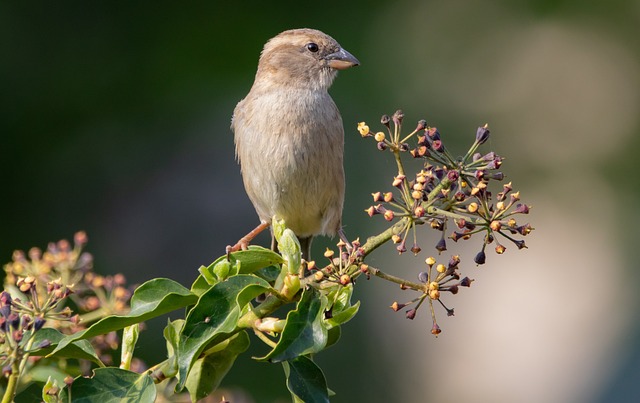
(114, 119)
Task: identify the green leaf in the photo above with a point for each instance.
(42, 373)
(342, 311)
(207, 373)
(80, 349)
(153, 298)
(269, 273)
(241, 262)
(49, 387)
(333, 335)
(214, 317)
(305, 331)
(343, 317)
(305, 380)
(112, 385)
(172, 336)
(31, 393)
(200, 285)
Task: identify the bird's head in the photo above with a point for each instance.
(303, 58)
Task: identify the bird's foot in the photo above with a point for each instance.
(243, 243)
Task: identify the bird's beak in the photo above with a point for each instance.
(341, 60)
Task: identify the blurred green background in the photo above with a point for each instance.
(114, 119)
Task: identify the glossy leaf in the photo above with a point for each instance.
(305, 380)
(207, 372)
(81, 349)
(112, 385)
(240, 262)
(153, 298)
(342, 311)
(214, 317)
(305, 331)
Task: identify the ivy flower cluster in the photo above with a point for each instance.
(448, 194)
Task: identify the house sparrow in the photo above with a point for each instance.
(289, 136)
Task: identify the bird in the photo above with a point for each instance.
(289, 137)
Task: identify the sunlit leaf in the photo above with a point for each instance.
(207, 372)
(214, 317)
(112, 385)
(304, 331)
(153, 298)
(81, 349)
(305, 380)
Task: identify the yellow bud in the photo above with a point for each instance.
(430, 261)
(441, 268)
(379, 136)
(472, 207)
(363, 129)
(434, 285)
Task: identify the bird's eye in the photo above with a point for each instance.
(312, 47)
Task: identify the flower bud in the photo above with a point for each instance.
(500, 249)
(396, 306)
(495, 225)
(415, 249)
(435, 329)
(388, 197)
(520, 244)
(38, 323)
(371, 211)
(345, 279)
(397, 117)
(525, 229)
(466, 282)
(398, 180)
(411, 313)
(419, 211)
(423, 277)
(430, 261)
(433, 133)
(482, 134)
(363, 129)
(437, 145)
(379, 136)
(395, 238)
(521, 209)
(441, 246)
(453, 175)
(328, 253)
(382, 145)
(480, 258)
(389, 215)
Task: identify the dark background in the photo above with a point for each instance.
(114, 119)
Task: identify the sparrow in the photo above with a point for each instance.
(289, 136)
